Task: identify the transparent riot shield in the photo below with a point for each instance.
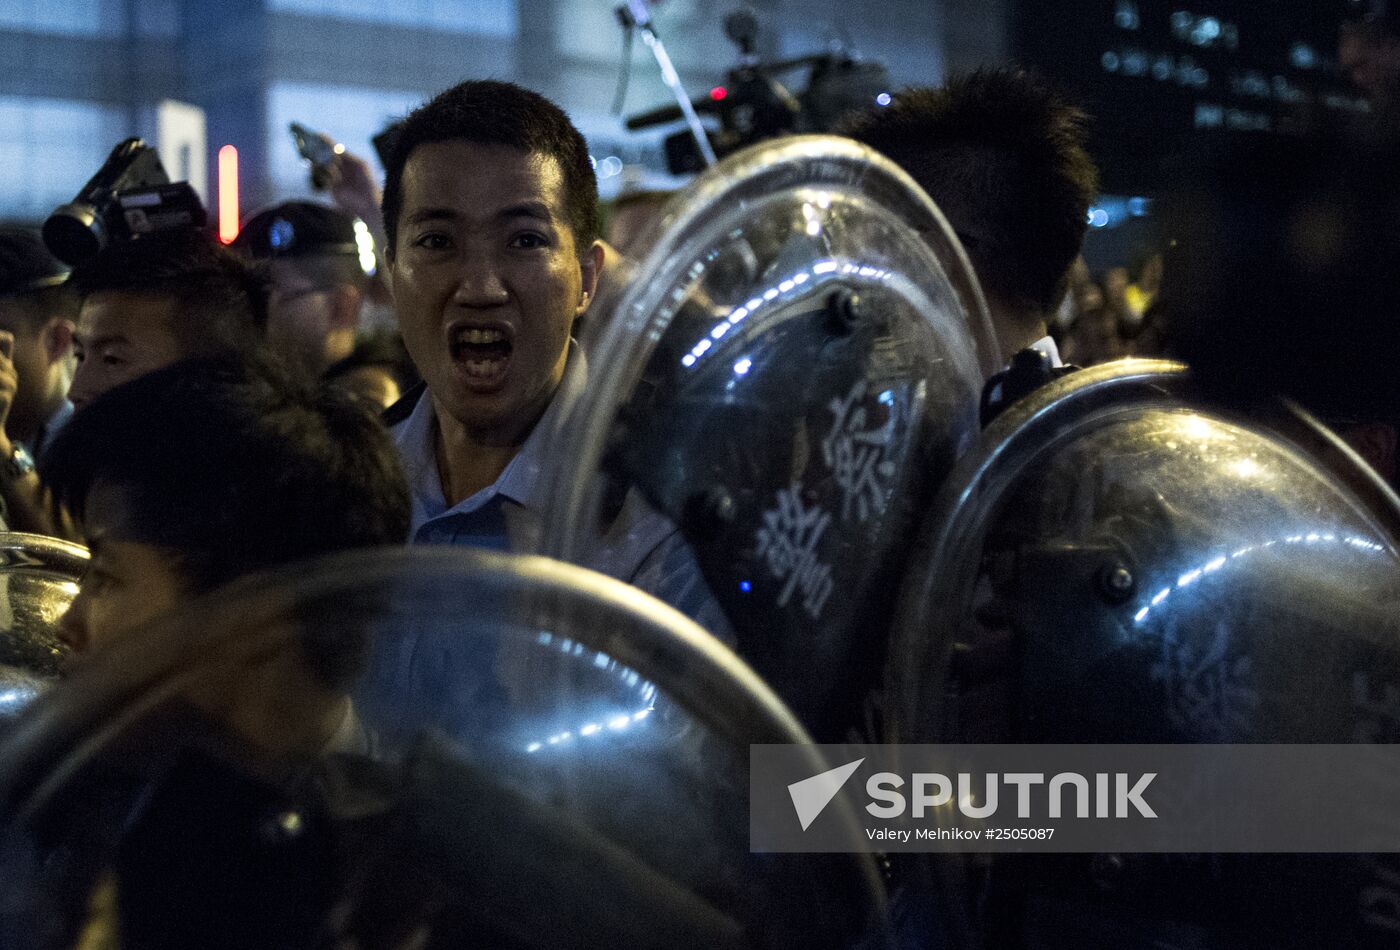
(1120, 560)
(38, 580)
(425, 748)
(784, 380)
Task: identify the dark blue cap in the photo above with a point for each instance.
(297, 229)
(26, 264)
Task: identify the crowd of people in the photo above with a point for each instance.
(492, 253)
(194, 413)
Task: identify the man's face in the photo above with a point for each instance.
(302, 315)
(127, 583)
(31, 368)
(121, 335)
(487, 282)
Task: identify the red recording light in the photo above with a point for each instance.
(718, 93)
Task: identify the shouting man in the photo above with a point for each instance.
(491, 219)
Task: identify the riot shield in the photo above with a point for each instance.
(791, 370)
(1121, 560)
(426, 748)
(38, 580)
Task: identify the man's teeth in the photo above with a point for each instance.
(480, 336)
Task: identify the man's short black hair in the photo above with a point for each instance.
(233, 466)
(1002, 154)
(488, 112)
(221, 299)
(37, 307)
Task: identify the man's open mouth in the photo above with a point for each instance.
(482, 354)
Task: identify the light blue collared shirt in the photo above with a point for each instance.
(1046, 345)
(504, 515)
(641, 547)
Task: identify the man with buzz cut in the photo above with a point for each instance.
(491, 219)
(142, 305)
(1002, 155)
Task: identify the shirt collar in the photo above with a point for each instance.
(44, 437)
(1046, 345)
(519, 482)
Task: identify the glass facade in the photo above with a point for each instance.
(486, 17)
(158, 18)
(350, 114)
(91, 72)
(49, 148)
(69, 17)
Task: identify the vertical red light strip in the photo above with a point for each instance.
(228, 194)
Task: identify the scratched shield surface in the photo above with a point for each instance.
(431, 747)
(1122, 560)
(790, 373)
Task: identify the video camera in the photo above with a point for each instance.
(130, 195)
(753, 105)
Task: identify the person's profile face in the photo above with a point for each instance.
(121, 335)
(300, 313)
(31, 369)
(127, 583)
(487, 282)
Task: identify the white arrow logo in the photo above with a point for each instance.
(811, 795)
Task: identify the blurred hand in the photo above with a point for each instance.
(353, 188)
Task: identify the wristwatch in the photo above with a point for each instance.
(17, 464)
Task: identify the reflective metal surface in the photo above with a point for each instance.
(796, 364)
(38, 579)
(1121, 561)
(431, 747)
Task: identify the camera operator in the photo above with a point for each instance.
(145, 303)
(37, 315)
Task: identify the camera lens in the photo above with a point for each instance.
(74, 232)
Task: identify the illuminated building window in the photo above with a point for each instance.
(485, 17)
(69, 18)
(49, 148)
(350, 114)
